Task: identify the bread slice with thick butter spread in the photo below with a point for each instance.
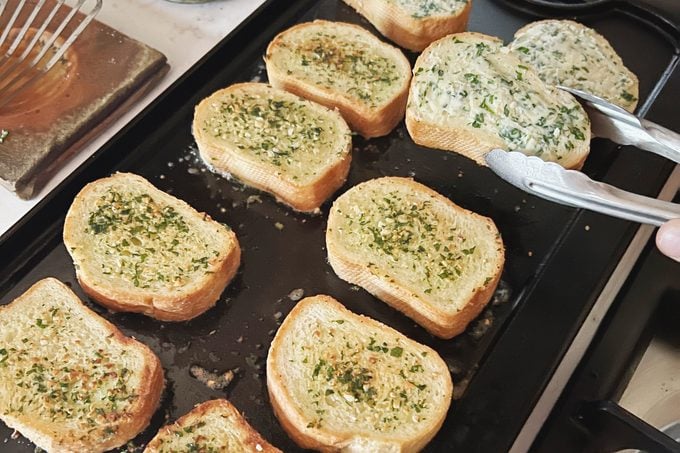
(470, 94)
(567, 53)
(417, 251)
(342, 66)
(213, 426)
(70, 381)
(136, 248)
(414, 24)
(273, 140)
(339, 381)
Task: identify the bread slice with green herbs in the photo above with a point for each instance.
(273, 140)
(470, 94)
(70, 381)
(567, 53)
(213, 426)
(138, 249)
(339, 381)
(414, 24)
(414, 249)
(342, 66)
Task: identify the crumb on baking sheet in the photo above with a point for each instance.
(253, 199)
(214, 381)
(296, 294)
(278, 226)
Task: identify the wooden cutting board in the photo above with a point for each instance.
(101, 74)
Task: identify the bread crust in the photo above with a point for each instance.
(438, 322)
(301, 197)
(603, 43)
(254, 441)
(366, 121)
(458, 137)
(411, 33)
(126, 427)
(197, 297)
(296, 426)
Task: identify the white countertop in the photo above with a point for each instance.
(183, 32)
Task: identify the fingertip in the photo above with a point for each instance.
(668, 239)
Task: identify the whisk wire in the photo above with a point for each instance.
(17, 74)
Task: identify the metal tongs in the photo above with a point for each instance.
(572, 188)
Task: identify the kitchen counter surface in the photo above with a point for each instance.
(183, 32)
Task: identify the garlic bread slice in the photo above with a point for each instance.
(414, 24)
(470, 94)
(213, 426)
(342, 66)
(136, 248)
(339, 381)
(417, 251)
(297, 150)
(567, 53)
(70, 381)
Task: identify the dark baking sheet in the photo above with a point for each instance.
(554, 270)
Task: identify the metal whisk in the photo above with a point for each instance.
(37, 45)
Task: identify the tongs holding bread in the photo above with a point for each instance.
(470, 94)
(567, 53)
(573, 188)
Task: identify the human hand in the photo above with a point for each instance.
(668, 239)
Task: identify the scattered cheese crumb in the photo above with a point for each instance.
(278, 226)
(296, 294)
(213, 381)
(253, 199)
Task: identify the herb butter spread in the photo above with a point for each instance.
(413, 238)
(288, 135)
(215, 435)
(344, 59)
(57, 372)
(570, 54)
(138, 240)
(372, 380)
(194, 437)
(467, 82)
(214, 426)
(420, 9)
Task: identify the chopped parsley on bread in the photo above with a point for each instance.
(297, 150)
(414, 24)
(138, 249)
(213, 426)
(342, 66)
(417, 251)
(567, 53)
(339, 381)
(70, 380)
(470, 94)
